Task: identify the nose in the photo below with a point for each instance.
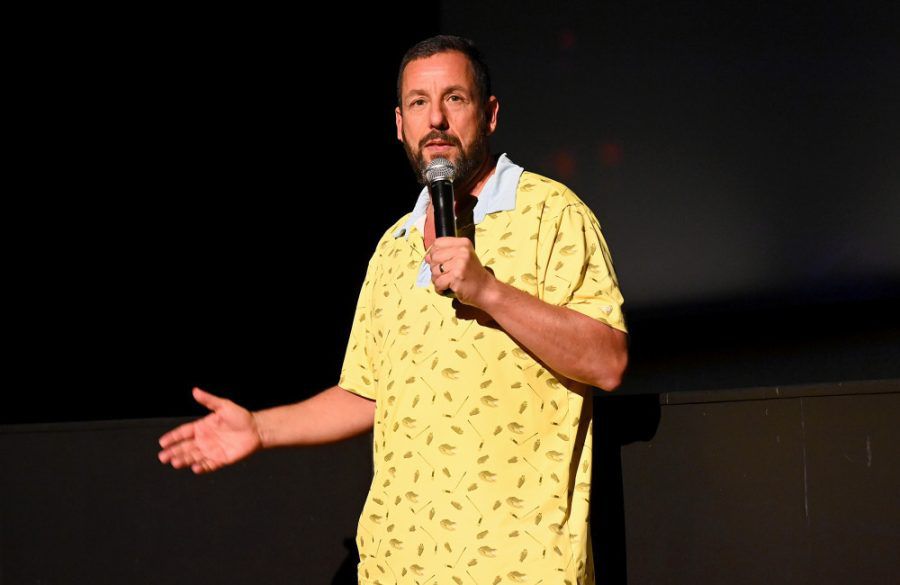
(437, 116)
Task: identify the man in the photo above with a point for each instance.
(481, 406)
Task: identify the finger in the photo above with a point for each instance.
(443, 242)
(180, 462)
(450, 242)
(185, 458)
(202, 467)
(446, 264)
(177, 462)
(197, 456)
(438, 256)
(208, 400)
(176, 435)
(177, 451)
(442, 282)
(441, 249)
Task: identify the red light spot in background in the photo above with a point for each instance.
(564, 164)
(611, 154)
(567, 40)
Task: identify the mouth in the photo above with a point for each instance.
(439, 145)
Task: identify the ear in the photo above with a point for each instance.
(398, 118)
(493, 107)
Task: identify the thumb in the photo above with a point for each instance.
(208, 400)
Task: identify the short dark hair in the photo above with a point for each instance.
(446, 44)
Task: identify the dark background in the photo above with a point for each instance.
(195, 194)
(198, 193)
(774, 485)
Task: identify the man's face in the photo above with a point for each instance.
(441, 115)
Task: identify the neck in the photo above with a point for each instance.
(474, 185)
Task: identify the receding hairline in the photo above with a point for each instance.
(449, 44)
(473, 88)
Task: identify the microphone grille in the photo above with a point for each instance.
(438, 169)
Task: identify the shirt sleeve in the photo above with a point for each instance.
(577, 267)
(358, 373)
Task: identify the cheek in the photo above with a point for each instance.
(409, 137)
(468, 130)
(413, 132)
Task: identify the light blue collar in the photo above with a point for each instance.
(498, 194)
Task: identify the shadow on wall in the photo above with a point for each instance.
(346, 573)
(618, 421)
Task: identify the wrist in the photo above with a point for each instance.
(491, 292)
(258, 427)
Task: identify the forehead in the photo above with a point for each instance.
(438, 71)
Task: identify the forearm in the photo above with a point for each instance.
(332, 415)
(568, 342)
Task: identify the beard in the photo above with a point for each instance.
(466, 162)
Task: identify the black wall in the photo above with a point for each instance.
(191, 215)
(777, 485)
(205, 189)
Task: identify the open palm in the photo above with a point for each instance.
(226, 435)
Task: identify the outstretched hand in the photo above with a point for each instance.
(226, 435)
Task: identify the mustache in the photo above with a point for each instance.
(436, 135)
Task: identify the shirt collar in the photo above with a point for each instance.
(498, 194)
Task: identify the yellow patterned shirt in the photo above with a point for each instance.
(482, 455)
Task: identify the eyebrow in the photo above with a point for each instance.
(450, 89)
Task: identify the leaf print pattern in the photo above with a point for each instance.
(471, 431)
(487, 551)
(488, 476)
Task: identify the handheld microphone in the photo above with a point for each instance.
(440, 174)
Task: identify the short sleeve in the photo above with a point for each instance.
(577, 267)
(358, 372)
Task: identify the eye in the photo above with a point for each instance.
(417, 102)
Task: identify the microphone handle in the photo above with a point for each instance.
(444, 215)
